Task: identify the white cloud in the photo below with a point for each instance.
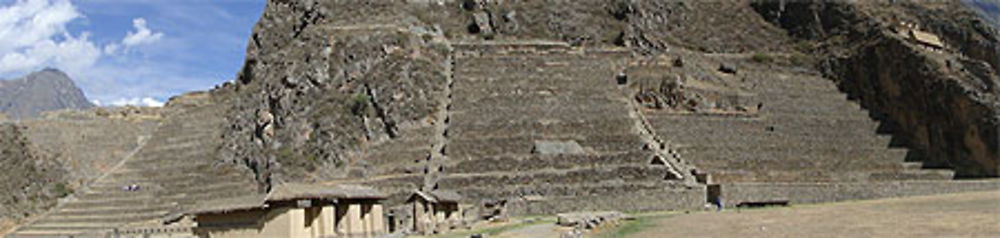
(34, 35)
(28, 38)
(142, 35)
(111, 49)
(143, 102)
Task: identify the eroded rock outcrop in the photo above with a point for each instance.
(31, 183)
(939, 103)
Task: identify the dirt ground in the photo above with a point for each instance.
(963, 215)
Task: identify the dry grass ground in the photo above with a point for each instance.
(951, 215)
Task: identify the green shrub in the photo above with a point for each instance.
(761, 58)
(799, 59)
(62, 190)
(359, 104)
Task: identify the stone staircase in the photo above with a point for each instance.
(509, 97)
(806, 131)
(174, 169)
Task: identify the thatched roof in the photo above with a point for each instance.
(285, 192)
(294, 191)
(437, 196)
(446, 195)
(227, 205)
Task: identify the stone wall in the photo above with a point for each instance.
(942, 105)
(664, 199)
(736, 193)
(945, 115)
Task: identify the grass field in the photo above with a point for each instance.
(962, 215)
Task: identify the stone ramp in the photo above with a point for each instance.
(806, 130)
(174, 169)
(511, 101)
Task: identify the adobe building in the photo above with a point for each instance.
(295, 210)
(435, 211)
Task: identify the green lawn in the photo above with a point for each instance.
(640, 222)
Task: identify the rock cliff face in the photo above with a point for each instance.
(45, 90)
(31, 182)
(942, 104)
(313, 96)
(325, 82)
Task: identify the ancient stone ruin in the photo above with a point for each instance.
(457, 112)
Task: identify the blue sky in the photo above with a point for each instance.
(128, 51)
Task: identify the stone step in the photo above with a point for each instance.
(176, 147)
(380, 158)
(711, 129)
(125, 197)
(537, 99)
(71, 227)
(735, 157)
(607, 188)
(112, 188)
(114, 211)
(542, 162)
(536, 78)
(508, 61)
(30, 232)
(802, 83)
(496, 49)
(210, 190)
(798, 175)
(165, 194)
(501, 115)
(580, 69)
(913, 165)
(563, 111)
(110, 219)
(152, 168)
(922, 174)
(538, 128)
(192, 136)
(486, 147)
(139, 201)
(474, 88)
(197, 153)
(397, 169)
(803, 108)
(800, 142)
(542, 104)
(581, 175)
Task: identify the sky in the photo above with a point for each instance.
(128, 52)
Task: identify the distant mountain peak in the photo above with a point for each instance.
(44, 90)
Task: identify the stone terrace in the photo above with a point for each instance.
(806, 131)
(174, 169)
(507, 97)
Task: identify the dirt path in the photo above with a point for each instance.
(965, 215)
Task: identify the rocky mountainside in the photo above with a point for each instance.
(325, 82)
(31, 182)
(940, 103)
(45, 90)
(555, 105)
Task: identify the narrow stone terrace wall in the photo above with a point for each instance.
(946, 117)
